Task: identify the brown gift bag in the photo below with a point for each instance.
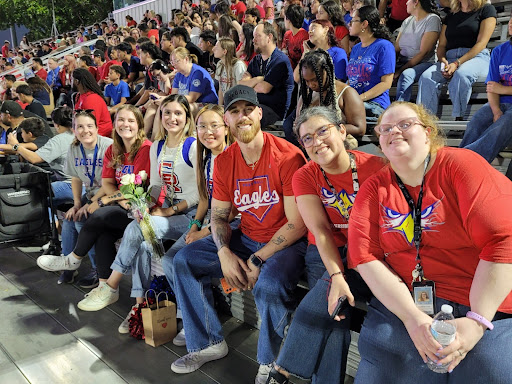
(159, 321)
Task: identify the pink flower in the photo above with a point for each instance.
(138, 179)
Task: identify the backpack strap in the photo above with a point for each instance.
(186, 149)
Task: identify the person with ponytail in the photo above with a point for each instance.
(229, 69)
(191, 80)
(372, 61)
(245, 50)
(415, 45)
(331, 10)
(90, 96)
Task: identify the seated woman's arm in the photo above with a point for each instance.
(428, 41)
(385, 84)
(192, 97)
(494, 90)
(112, 195)
(353, 108)
(441, 46)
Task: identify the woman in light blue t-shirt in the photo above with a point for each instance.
(371, 67)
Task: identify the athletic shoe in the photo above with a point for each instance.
(179, 340)
(194, 360)
(262, 375)
(46, 246)
(90, 281)
(58, 263)
(125, 325)
(275, 377)
(67, 277)
(99, 298)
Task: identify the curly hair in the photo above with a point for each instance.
(118, 147)
(370, 14)
(320, 63)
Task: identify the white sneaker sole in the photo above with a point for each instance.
(206, 359)
(91, 308)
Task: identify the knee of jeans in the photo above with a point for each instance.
(268, 286)
(461, 78)
(407, 77)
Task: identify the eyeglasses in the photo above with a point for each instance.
(322, 133)
(403, 125)
(212, 128)
(353, 21)
(174, 62)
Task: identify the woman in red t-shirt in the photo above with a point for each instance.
(459, 250)
(245, 50)
(331, 11)
(109, 216)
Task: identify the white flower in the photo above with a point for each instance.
(143, 175)
(128, 179)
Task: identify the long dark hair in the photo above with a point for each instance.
(370, 14)
(334, 11)
(430, 6)
(248, 30)
(227, 29)
(88, 81)
(320, 62)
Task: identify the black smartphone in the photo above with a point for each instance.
(340, 307)
(310, 44)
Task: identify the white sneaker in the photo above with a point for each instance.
(179, 340)
(194, 360)
(58, 263)
(98, 298)
(262, 375)
(125, 325)
(46, 246)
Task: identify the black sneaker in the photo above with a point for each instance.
(274, 377)
(67, 277)
(90, 281)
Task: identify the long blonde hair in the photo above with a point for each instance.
(474, 4)
(229, 60)
(189, 128)
(118, 148)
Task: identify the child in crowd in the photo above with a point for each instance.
(230, 69)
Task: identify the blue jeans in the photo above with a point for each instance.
(133, 255)
(195, 266)
(388, 354)
(288, 128)
(62, 193)
(486, 137)
(70, 231)
(373, 110)
(316, 347)
(460, 85)
(407, 79)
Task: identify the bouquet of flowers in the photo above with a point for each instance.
(132, 188)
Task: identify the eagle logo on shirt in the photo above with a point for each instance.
(342, 204)
(255, 196)
(403, 223)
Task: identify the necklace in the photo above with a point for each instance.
(364, 53)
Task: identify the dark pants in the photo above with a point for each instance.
(101, 230)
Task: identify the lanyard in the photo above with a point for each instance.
(210, 192)
(416, 215)
(87, 173)
(355, 181)
(264, 72)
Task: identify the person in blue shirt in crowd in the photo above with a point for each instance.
(53, 78)
(270, 74)
(372, 61)
(191, 80)
(118, 91)
(490, 130)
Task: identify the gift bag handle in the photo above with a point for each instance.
(157, 296)
(146, 296)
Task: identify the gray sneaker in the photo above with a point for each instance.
(263, 372)
(57, 263)
(179, 340)
(194, 360)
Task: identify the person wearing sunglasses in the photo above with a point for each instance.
(325, 189)
(435, 219)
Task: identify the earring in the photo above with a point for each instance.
(362, 30)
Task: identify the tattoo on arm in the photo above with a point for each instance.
(290, 227)
(279, 240)
(220, 227)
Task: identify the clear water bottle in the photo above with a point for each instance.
(443, 329)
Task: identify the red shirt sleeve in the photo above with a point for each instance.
(301, 182)
(340, 31)
(96, 103)
(108, 172)
(221, 190)
(141, 161)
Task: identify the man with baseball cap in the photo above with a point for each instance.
(266, 254)
(11, 116)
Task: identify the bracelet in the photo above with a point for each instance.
(196, 222)
(336, 273)
(480, 319)
(458, 63)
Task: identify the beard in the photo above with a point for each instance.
(257, 50)
(246, 136)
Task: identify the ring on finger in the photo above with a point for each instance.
(460, 353)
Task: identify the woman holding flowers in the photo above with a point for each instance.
(173, 184)
(129, 154)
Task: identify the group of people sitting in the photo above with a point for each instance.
(242, 204)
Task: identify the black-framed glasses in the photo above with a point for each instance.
(403, 125)
(322, 133)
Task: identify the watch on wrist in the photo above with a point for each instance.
(89, 201)
(256, 260)
(15, 147)
(175, 208)
(101, 203)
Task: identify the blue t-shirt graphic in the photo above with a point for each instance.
(199, 81)
(367, 65)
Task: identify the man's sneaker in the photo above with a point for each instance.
(194, 360)
(98, 298)
(46, 246)
(57, 263)
(262, 375)
(67, 277)
(179, 340)
(90, 281)
(125, 325)
(275, 377)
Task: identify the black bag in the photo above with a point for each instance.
(24, 194)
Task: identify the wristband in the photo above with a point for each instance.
(336, 273)
(196, 222)
(101, 203)
(480, 319)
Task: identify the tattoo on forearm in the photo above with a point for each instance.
(290, 227)
(115, 196)
(279, 240)
(220, 227)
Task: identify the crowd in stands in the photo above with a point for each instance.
(186, 103)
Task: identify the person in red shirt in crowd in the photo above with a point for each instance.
(90, 96)
(295, 35)
(331, 11)
(437, 220)
(254, 4)
(99, 61)
(397, 14)
(37, 67)
(325, 190)
(238, 8)
(130, 22)
(87, 63)
(252, 16)
(5, 49)
(266, 254)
